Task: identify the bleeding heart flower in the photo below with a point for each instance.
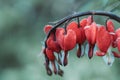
(80, 35)
(84, 22)
(53, 44)
(47, 28)
(66, 40)
(51, 41)
(51, 57)
(110, 29)
(89, 20)
(51, 63)
(50, 54)
(110, 26)
(103, 41)
(91, 33)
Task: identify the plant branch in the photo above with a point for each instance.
(101, 13)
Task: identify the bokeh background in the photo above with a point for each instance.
(21, 37)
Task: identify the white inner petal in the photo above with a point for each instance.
(50, 65)
(109, 59)
(86, 27)
(87, 49)
(62, 57)
(82, 50)
(95, 49)
(56, 65)
(112, 33)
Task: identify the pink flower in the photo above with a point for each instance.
(80, 35)
(91, 33)
(66, 40)
(103, 41)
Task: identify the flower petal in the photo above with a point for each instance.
(47, 28)
(117, 32)
(110, 26)
(103, 39)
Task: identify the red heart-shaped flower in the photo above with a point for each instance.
(53, 44)
(91, 33)
(110, 26)
(47, 28)
(80, 35)
(103, 40)
(67, 41)
(50, 54)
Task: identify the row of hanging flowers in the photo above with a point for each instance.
(90, 37)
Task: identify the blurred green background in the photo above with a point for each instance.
(21, 36)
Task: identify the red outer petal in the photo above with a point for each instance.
(110, 26)
(53, 44)
(116, 54)
(80, 34)
(47, 28)
(99, 53)
(91, 33)
(83, 22)
(89, 20)
(50, 54)
(117, 32)
(86, 21)
(60, 36)
(74, 26)
(69, 40)
(103, 39)
(118, 43)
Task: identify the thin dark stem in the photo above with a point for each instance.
(65, 26)
(78, 20)
(106, 23)
(102, 13)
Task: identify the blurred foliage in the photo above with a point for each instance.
(21, 36)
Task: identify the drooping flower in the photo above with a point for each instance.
(53, 44)
(89, 20)
(91, 33)
(66, 40)
(51, 41)
(110, 26)
(103, 40)
(47, 28)
(111, 30)
(50, 54)
(80, 35)
(116, 54)
(51, 57)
